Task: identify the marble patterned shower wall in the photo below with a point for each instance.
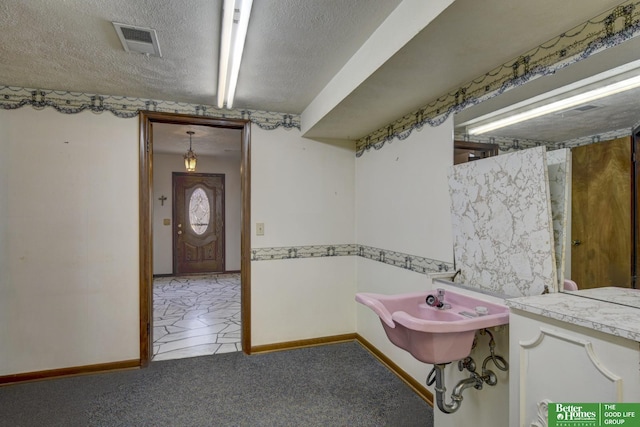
(558, 166)
(502, 227)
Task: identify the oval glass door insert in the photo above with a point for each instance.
(199, 212)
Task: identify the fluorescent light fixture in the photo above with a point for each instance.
(235, 21)
(562, 104)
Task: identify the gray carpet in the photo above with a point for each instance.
(332, 385)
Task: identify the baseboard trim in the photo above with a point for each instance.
(416, 386)
(69, 372)
(313, 342)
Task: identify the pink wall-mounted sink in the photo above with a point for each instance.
(430, 334)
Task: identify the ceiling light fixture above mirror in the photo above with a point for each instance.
(615, 81)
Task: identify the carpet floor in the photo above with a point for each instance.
(331, 385)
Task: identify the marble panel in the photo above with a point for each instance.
(502, 227)
(559, 180)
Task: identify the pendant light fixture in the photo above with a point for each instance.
(190, 158)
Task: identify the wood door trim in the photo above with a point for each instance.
(146, 119)
(174, 215)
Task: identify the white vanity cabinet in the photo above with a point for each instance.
(565, 348)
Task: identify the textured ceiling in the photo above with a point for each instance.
(206, 140)
(72, 45)
(294, 49)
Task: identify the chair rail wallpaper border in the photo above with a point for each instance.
(410, 262)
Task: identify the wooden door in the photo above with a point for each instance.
(601, 217)
(198, 223)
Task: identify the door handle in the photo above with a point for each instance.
(576, 243)
(179, 231)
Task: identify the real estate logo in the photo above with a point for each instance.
(574, 414)
(593, 414)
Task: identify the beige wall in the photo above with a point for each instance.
(303, 192)
(70, 252)
(69, 282)
(402, 204)
(163, 166)
(69, 292)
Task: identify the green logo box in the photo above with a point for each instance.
(594, 414)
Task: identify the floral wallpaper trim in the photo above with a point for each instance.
(408, 262)
(124, 107)
(288, 252)
(602, 32)
(508, 144)
(397, 259)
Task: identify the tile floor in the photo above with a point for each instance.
(196, 315)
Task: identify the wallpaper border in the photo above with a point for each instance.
(66, 102)
(507, 144)
(414, 263)
(572, 46)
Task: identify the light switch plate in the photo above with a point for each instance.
(260, 229)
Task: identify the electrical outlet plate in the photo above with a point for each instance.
(260, 229)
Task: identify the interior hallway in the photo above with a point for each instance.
(196, 315)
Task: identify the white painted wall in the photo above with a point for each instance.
(402, 195)
(303, 192)
(69, 248)
(163, 166)
(302, 298)
(402, 204)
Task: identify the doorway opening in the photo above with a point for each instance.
(147, 122)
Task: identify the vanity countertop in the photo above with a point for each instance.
(603, 316)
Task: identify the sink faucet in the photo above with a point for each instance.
(437, 300)
(443, 305)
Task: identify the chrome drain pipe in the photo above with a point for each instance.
(437, 375)
(475, 380)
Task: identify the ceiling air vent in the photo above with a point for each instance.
(138, 39)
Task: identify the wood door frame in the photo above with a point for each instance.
(174, 215)
(146, 119)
